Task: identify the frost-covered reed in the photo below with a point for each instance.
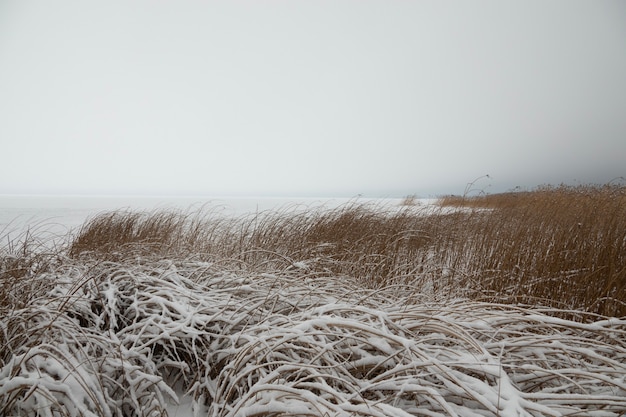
(106, 338)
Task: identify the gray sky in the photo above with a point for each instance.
(309, 98)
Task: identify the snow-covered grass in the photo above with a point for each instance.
(358, 310)
(102, 338)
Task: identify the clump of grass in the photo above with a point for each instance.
(61, 355)
(410, 200)
(118, 233)
(21, 258)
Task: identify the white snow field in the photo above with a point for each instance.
(178, 336)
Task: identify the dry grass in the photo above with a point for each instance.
(542, 247)
(22, 258)
(562, 245)
(355, 240)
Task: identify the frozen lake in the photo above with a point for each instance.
(49, 216)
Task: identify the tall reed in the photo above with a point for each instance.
(559, 246)
(552, 245)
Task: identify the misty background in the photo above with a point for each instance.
(295, 98)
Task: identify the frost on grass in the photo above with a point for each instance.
(123, 338)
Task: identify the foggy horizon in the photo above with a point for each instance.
(299, 99)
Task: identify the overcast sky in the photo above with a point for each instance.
(309, 98)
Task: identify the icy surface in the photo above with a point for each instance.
(57, 215)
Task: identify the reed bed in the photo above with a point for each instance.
(127, 338)
(564, 245)
(498, 309)
(561, 247)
